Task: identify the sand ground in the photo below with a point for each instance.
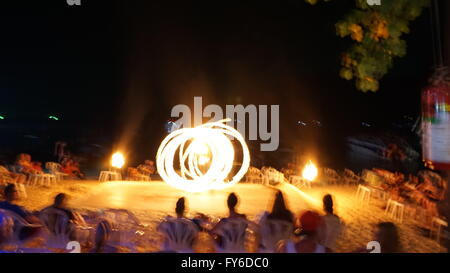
(151, 203)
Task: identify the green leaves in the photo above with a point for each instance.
(376, 32)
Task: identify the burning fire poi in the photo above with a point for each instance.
(205, 145)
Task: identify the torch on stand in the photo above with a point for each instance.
(117, 162)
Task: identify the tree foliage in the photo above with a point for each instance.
(376, 32)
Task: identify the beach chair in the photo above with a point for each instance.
(55, 169)
(331, 177)
(179, 233)
(43, 179)
(126, 227)
(7, 225)
(19, 223)
(58, 225)
(350, 178)
(233, 233)
(272, 232)
(395, 210)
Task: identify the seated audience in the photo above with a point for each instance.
(279, 213)
(7, 176)
(216, 232)
(331, 227)
(148, 168)
(37, 166)
(11, 197)
(309, 222)
(279, 210)
(386, 234)
(190, 227)
(6, 232)
(102, 236)
(72, 168)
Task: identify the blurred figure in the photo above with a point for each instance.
(7, 176)
(11, 197)
(232, 202)
(25, 164)
(180, 233)
(309, 222)
(37, 166)
(386, 233)
(148, 168)
(275, 226)
(331, 227)
(60, 152)
(60, 204)
(72, 168)
(222, 226)
(102, 236)
(132, 173)
(6, 231)
(279, 210)
(387, 236)
(180, 207)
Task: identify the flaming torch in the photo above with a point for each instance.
(310, 171)
(117, 160)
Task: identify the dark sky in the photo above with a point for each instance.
(117, 67)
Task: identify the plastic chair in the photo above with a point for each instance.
(179, 234)
(55, 169)
(42, 179)
(395, 210)
(233, 233)
(126, 227)
(58, 224)
(363, 194)
(436, 227)
(299, 181)
(109, 176)
(272, 232)
(19, 223)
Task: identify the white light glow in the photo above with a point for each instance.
(310, 171)
(117, 160)
(207, 145)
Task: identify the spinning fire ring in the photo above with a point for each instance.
(205, 157)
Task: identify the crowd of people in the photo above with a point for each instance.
(147, 169)
(309, 232)
(24, 167)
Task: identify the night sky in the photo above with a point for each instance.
(112, 70)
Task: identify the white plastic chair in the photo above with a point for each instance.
(395, 210)
(272, 232)
(179, 234)
(7, 225)
(109, 176)
(233, 233)
(299, 181)
(19, 223)
(436, 226)
(363, 194)
(58, 224)
(42, 179)
(55, 169)
(125, 227)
